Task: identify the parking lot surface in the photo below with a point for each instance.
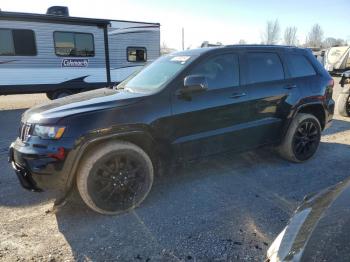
(225, 208)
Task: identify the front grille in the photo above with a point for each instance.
(25, 131)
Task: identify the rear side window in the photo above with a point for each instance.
(299, 66)
(137, 54)
(17, 42)
(74, 44)
(264, 67)
(221, 71)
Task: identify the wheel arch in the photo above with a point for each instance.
(141, 138)
(315, 109)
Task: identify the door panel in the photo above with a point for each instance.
(209, 122)
(271, 96)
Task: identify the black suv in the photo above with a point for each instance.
(110, 142)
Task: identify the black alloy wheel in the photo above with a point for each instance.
(306, 139)
(118, 181)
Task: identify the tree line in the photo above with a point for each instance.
(314, 39)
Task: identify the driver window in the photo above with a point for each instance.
(221, 71)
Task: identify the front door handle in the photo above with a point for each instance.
(238, 95)
(291, 86)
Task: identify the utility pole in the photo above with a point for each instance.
(183, 39)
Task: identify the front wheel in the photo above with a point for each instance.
(115, 177)
(343, 105)
(302, 138)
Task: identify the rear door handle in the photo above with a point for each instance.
(238, 95)
(291, 86)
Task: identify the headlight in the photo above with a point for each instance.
(48, 132)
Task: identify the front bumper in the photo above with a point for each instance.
(36, 168)
(24, 176)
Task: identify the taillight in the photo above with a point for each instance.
(329, 89)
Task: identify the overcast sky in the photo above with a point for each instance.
(225, 21)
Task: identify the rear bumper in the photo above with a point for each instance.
(330, 106)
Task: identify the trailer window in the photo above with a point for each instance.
(137, 54)
(17, 42)
(74, 44)
(24, 42)
(6, 43)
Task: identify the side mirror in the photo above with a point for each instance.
(194, 83)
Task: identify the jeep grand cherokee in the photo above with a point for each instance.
(185, 105)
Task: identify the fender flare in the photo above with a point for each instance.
(78, 152)
(296, 110)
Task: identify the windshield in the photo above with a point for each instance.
(157, 74)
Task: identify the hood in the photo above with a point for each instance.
(319, 229)
(89, 101)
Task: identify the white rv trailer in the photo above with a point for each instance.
(59, 55)
(337, 59)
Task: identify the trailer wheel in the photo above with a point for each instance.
(58, 94)
(49, 95)
(343, 105)
(115, 177)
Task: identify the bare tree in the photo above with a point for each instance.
(290, 36)
(315, 36)
(331, 41)
(341, 42)
(164, 49)
(242, 42)
(272, 33)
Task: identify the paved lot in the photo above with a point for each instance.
(228, 207)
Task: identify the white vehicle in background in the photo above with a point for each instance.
(58, 54)
(337, 59)
(343, 103)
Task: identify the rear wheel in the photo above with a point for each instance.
(115, 177)
(302, 139)
(343, 105)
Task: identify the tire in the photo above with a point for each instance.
(343, 105)
(302, 138)
(115, 177)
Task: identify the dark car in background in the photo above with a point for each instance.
(319, 229)
(183, 106)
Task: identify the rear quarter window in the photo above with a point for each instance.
(263, 67)
(299, 66)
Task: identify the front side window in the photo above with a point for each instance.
(74, 44)
(17, 42)
(221, 71)
(137, 54)
(299, 66)
(263, 67)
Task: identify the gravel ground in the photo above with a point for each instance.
(225, 208)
